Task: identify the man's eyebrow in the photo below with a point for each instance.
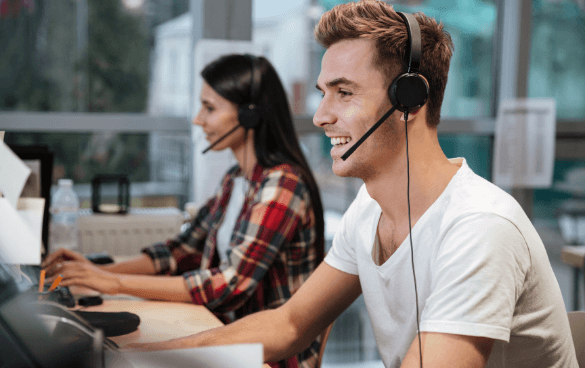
(337, 81)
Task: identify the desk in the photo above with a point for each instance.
(159, 320)
(574, 256)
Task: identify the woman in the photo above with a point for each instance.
(254, 243)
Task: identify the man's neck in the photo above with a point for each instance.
(430, 173)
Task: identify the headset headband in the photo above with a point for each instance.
(253, 81)
(414, 41)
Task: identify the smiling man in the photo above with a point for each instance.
(485, 290)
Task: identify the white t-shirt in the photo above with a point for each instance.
(481, 270)
(226, 230)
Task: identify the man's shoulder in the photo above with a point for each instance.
(474, 194)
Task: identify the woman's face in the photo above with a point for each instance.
(217, 117)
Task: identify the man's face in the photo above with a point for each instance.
(354, 98)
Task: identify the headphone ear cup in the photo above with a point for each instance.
(249, 116)
(408, 92)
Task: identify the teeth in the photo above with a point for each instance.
(340, 140)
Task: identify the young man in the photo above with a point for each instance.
(487, 295)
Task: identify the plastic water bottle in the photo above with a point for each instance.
(64, 207)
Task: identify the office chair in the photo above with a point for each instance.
(577, 323)
(324, 336)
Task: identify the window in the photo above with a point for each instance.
(556, 60)
(95, 57)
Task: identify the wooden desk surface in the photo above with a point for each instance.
(160, 320)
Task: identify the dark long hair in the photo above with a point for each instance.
(275, 138)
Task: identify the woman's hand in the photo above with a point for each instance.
(62, 255)
(86, 274)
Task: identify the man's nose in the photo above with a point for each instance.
(324, 114)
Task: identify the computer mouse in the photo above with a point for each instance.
(100, 258)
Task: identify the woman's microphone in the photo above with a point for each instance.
(222, 138)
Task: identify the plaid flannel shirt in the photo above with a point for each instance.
(272, 251)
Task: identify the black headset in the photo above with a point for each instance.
(409, 91)
(248, 113)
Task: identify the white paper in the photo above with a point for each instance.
(240, 356)
(13, 174)
(20, 231)
(31, 211)
(212, 166)
(525, 143)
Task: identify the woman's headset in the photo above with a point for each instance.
(249, 116)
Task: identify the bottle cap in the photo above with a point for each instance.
(65, 182)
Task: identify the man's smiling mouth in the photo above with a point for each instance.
(340, 141)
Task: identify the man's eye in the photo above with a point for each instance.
(209, 108)
(344, 93)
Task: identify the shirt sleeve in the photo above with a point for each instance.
(273, 220)
(185, 251)
(477, 277)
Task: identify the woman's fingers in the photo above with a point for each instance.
(60, 256)
(65, 270)
(85, 274)
(52, 258)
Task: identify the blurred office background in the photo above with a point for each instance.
(107, 85)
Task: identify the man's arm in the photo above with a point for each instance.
(289, 329)
(448, 350)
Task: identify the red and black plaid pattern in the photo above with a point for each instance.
(273, 250)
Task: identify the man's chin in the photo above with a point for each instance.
(341, 169)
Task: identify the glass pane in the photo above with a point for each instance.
(93, 56)
(477, 151)
(471, 24)
(557, 67)
(157, 164)
(79, 55)
(568, 186)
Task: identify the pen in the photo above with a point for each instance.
(55, 283)
(42, 281)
